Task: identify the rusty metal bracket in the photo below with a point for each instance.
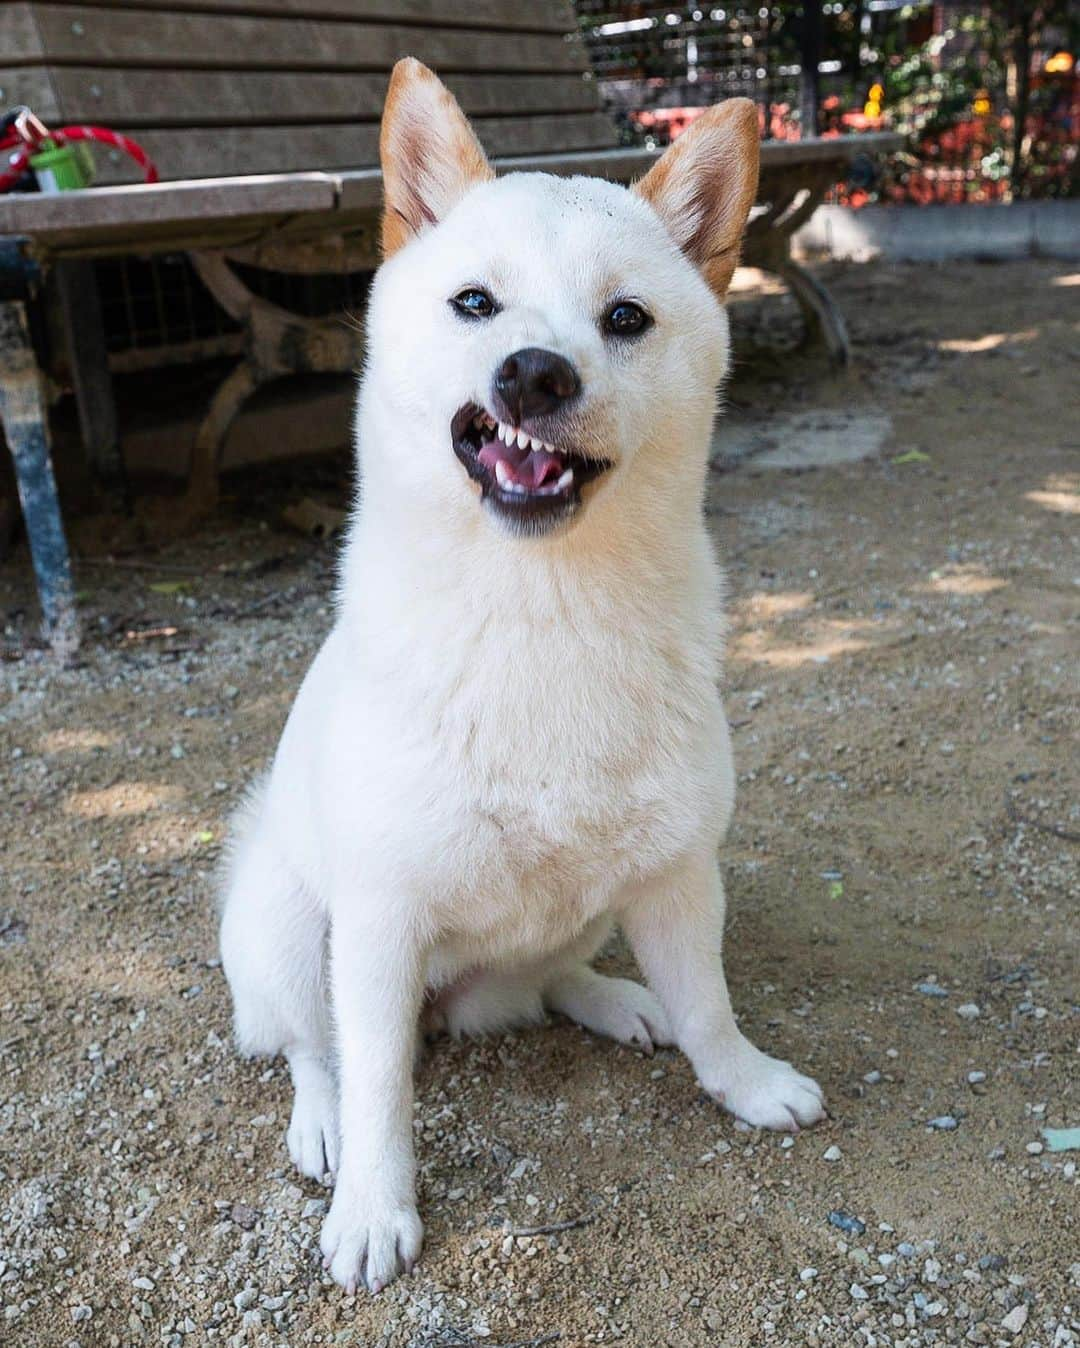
(276, 343)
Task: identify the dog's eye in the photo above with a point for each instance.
(626, 319)
(474, 303)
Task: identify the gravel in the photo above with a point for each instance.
(881, 611)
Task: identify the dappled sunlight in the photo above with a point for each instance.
(1060, 493)
(169, 839)
(829, 642)
(990, 341)
(775, 641)
(968, 580)
(1071, 279)
(754, 281)
(761, 605)
(122, 800)
(72, 740)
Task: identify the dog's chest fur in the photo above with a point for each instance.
(520, 757)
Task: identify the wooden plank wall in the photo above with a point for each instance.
(219, 87)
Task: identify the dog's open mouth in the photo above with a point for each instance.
(530, 481)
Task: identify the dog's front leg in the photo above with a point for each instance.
(372, 1231)
(676, 928)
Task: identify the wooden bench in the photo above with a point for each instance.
(236, 101)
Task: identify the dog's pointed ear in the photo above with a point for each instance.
(430, 156)
(704, 185)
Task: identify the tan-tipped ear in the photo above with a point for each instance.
(704, 185)
(430, 156)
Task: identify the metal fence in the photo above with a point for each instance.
(950, 74)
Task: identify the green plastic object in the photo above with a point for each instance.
(63, 168)
(1062, 1139)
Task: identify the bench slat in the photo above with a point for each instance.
(205, 152)
(149, 98)
(229, 210)
(74, 35)
(555, 16)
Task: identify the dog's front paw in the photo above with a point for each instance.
(312, 1137)
(366, 1240)
(765, 1091)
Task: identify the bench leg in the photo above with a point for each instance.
(824, 321)
(277, 343)
(238, 386)
(24, 415)
(80, 304)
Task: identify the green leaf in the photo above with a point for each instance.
(170, 586)
(912, 456)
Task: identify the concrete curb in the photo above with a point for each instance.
(944, 233)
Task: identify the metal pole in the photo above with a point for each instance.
(810, 57)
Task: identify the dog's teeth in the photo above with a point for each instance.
(506, 435)
(522, 440)
(565, 480)
(536, 444)
(502, 474)
(518, 487)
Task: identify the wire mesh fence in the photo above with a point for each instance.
(987, 94)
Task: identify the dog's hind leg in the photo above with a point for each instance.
(273, 951)
(565, 982)
(616, 1007)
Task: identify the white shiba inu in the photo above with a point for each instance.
(512, 738)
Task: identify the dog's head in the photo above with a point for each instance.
(534, 340)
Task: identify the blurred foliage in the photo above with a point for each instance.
(968, 94)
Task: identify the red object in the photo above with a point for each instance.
(18, 161)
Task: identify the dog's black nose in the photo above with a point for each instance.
(531, 383)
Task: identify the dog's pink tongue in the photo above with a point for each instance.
(531, 467)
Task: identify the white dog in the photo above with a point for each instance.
(512, 738)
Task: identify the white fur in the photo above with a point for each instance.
(506, 743)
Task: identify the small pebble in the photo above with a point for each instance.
(991, 1263)
(969, 1011)
(1016, 1319)
(906, 1250)
(844, 1221)
(872, 1078)
(808, 1275)
(931, 990)
(832, 1153)
(975, 1078)
(859, 1293)
(944, 1123)
(1034, 1148)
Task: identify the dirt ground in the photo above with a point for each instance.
(903, 684)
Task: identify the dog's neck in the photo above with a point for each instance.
(640, 538)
